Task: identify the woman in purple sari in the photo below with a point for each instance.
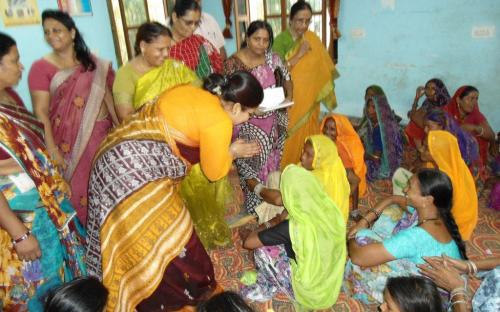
(269, 129)
(70, 90)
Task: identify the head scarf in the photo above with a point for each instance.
(444, 150)
(442, 95)
(467, 143)
(330, 171)
(317, 231)
(392, 141)
(349, 147)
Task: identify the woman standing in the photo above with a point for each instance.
(267, 128)
(141, 238)
(313, 73)
(41, 240)
(70, 90)
(150, 72)
(194, 51)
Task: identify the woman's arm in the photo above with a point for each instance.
(482, 130)
(288, 86)
(41, 102)
(27, 249)
(368, 255)
(9, 166)
(270, 196)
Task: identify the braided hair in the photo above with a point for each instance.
(437, 184)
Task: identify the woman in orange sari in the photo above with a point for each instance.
(313, 72)
(141, 239)
(351, 151)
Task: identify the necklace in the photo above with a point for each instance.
(425, 220)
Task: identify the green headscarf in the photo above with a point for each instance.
(318, 234)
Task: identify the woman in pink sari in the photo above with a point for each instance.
(70, 90)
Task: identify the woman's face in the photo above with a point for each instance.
(301, 21)
(57, 35)
(156, 52)
(371, 111)
(430, 125)
(307, 157)
(184, 26)
(468, 102)
(431, 91)
(11, 68)
(258, 42)
(369, 93)
(388, 305)
(425, 154)
(413, 192)
(236, 112)
(330, 129)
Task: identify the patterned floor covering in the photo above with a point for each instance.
(231, 262)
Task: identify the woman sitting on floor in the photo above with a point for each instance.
(351, 151)
(464, 108)
(269, 129)
(437, 96)
(382, 139)
(437, 119)
(303, 256)
(392, 248)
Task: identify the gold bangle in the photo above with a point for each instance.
(364, 218)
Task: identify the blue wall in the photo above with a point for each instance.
(96, 31)
(214, 8)
(408, 42)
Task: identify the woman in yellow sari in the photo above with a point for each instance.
(321, 157)
(313, 72)
(340, 130)
(141, 240)
(441, 150)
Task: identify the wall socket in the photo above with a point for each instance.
(358, 33)
(483, 31)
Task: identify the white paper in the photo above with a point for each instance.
(272, 97)
(22, 181)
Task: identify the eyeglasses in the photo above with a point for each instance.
(302, 21)
(190, 23)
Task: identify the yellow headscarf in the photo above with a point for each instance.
(329, 170)
(445, 152)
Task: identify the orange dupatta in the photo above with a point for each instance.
(444, 149)
(350, 147)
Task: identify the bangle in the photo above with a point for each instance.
(375, 212)
(473, 266)
(257, 189)
(481, 132)
(22, 238)
(364, 218)
(458, 302)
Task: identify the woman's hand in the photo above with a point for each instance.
(420, 92)
(304, 48)
(442, 272)
(243, 149)
(57, 157)
(361, 224)
(28, 249)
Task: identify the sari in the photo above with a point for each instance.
(317, 232)
(141, 241)
(390, 137)
(37, 196)
(445, 152)
(268, 129)
(76, 98)
(329, 170)
(414, 131)
(350, 148)
(198, 54)
(475, 118)
(314, 75)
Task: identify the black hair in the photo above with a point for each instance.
(256, 25)
(148, 32)
(467, 90)
(437, 184)
(6, 42)
(227, 301)
(414, 294)
(238, 87)
(84, 294)
(182, 6)
(299, 6)
(82, 51)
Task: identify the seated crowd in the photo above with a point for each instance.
(115, 187)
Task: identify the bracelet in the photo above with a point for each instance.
(288, 64)
(458, 294)
(375, 212)
(257, 189)
(458, 302)
(364, 218)
(482, 131)
(22, 238)
(473, 267)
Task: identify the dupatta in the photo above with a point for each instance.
(349, 146)
(329, 170)
(444, 149)
(317, 232)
